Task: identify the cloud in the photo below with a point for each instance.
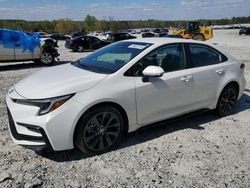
(183, 9)
(44, 12)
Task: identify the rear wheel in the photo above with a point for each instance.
(99, 130)
(227, 101)
(199, 37)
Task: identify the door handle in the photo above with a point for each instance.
(186, 78)
(220, 72)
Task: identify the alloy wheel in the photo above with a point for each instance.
(228, 100)
(46, 58)
(101, 131)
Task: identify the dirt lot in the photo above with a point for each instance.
(202, 151)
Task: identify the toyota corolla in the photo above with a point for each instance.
(92, 102)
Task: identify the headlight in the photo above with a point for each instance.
(45, 105)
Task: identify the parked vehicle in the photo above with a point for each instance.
(92, 102)
(59, 36)
(105, 36)
(171, 36)
(114, 37)
(85, 43)
(43, 35)
(245, 30)
(148, 35)
(19, 46)
(77, 34)
(161, 34)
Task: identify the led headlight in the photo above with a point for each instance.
(45, 105)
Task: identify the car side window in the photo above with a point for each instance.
(203, 56)
(95, 41)
(170, 58)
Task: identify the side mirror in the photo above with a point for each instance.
(152, 71)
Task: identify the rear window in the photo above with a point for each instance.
(201, 55)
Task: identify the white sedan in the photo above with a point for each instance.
(92, 102)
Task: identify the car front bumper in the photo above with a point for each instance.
(52, 131)
(37, 143)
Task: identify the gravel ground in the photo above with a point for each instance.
(202, 151)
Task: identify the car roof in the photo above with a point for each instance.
(161, 41)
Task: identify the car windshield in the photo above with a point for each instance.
(111, 58)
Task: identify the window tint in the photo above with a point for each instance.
(95, 41)
(112, 57)
(170, 58)
(204, 56)
(115, 58)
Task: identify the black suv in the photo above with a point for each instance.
(113, 37)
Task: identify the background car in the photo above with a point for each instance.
(148, 35)
(105, 36)
(77, 34)
(59, 36)
(171, 36)
(19, 46)
(120, 88)
(43, 35)
(245, 30)
(114, 37)
(85, 43)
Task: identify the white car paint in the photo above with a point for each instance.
(173, 94)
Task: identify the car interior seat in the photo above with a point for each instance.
(170, 63)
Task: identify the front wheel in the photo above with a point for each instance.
(99, 130)
(47, 58)
(227, 101)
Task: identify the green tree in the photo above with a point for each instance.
(64, 26)
(90, 23)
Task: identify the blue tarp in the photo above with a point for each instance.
(19, 39)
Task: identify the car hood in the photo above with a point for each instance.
(57, 81)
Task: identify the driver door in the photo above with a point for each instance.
(163, 97)
(21, 54)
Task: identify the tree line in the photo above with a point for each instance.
(90, 24)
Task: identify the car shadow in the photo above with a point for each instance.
(28, 65)
(156, 130)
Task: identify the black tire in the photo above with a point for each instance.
(227, 100)
(199, 37)
(47, 58)
(99, 130)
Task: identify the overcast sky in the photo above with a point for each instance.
(123, 10)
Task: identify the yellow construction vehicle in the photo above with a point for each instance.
(194, 31)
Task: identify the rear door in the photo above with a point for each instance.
(22, 54)
(95, 43)
(208, 71)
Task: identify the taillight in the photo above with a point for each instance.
(242, 66)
